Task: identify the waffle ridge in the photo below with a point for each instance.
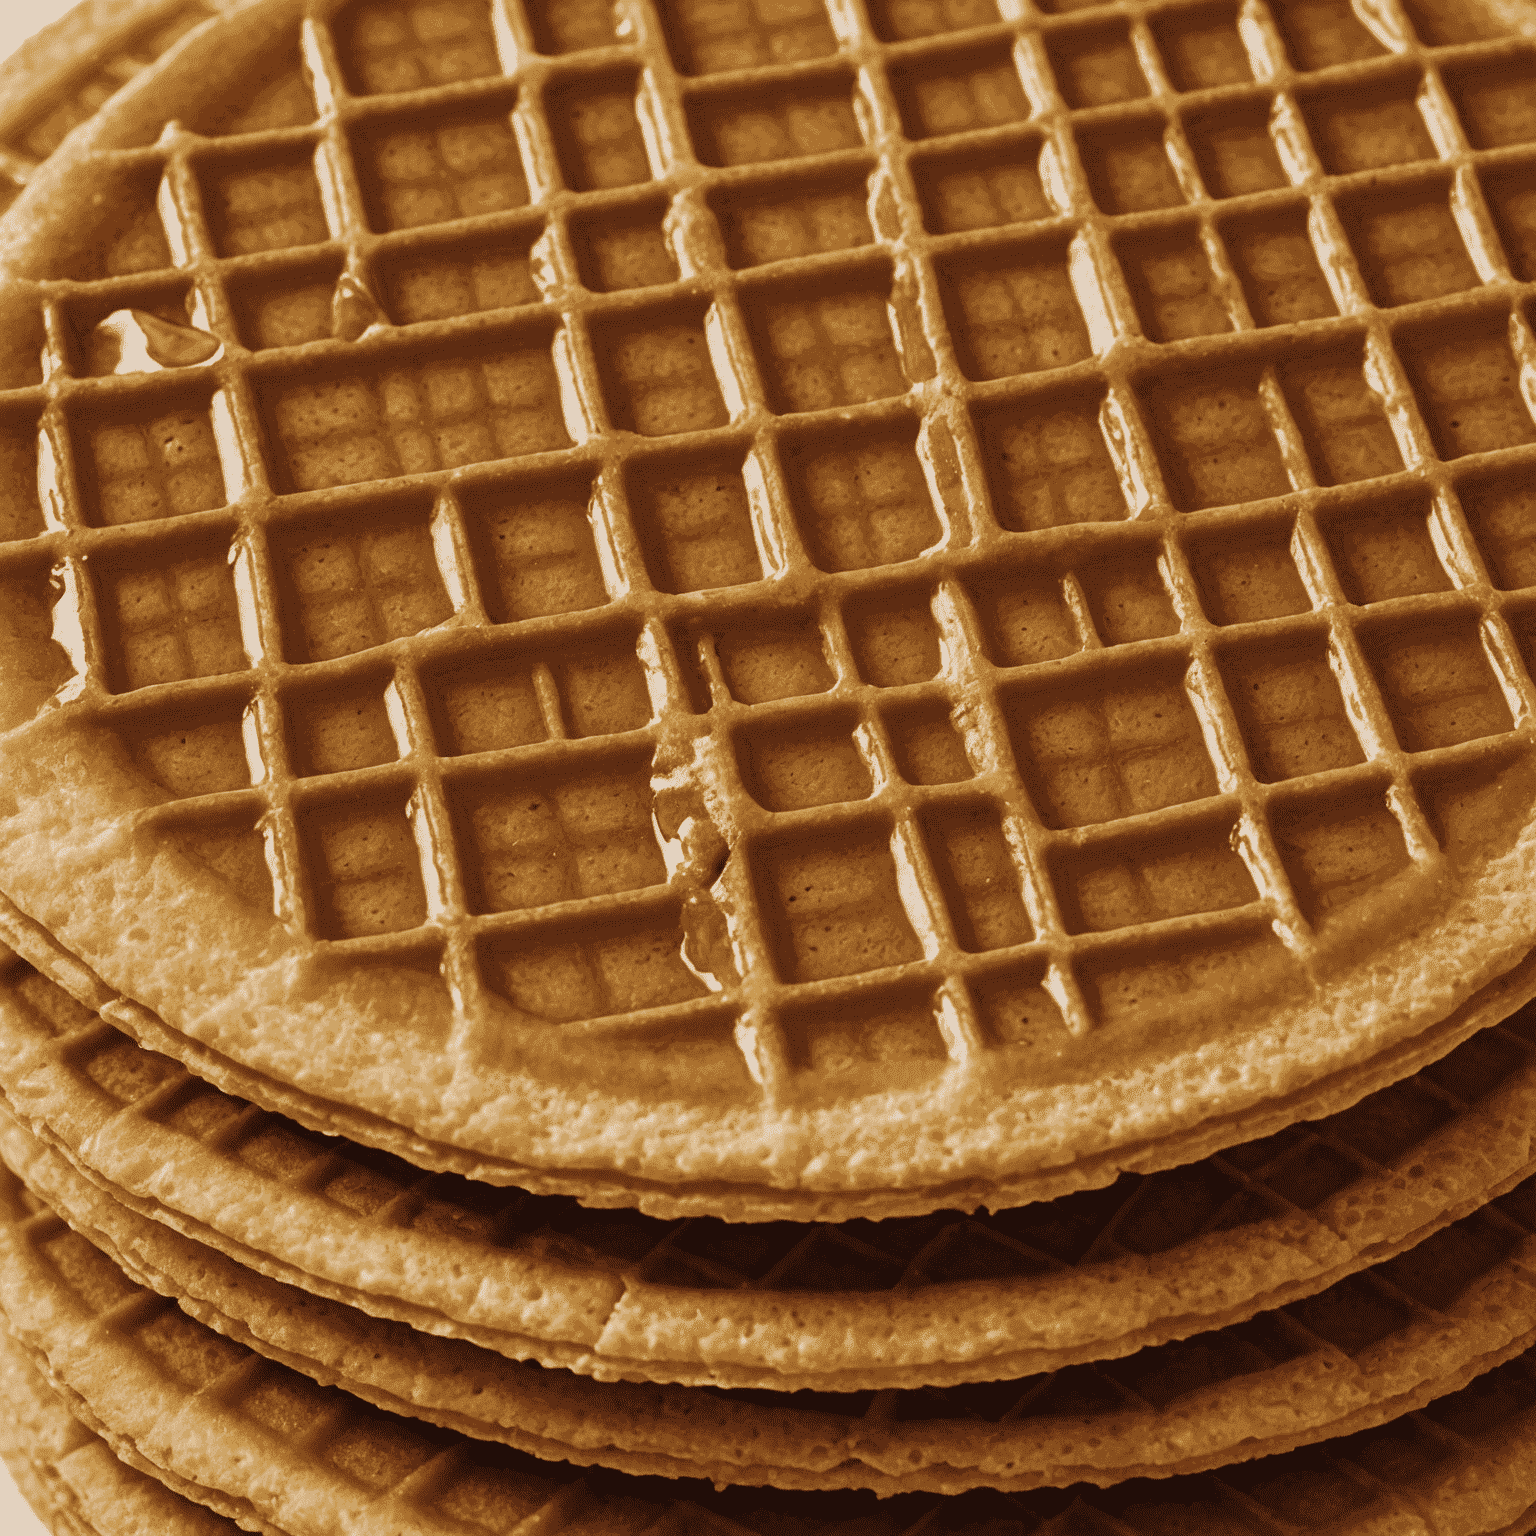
(1193, 836)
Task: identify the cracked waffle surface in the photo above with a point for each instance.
(653, 713)
(1361, 1353)
(200, 1410)
(908, 1303)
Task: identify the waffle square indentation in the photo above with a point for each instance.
(1048, 463)
(1024, 619)
(1468, 385)
(485, 706)
(1336, 852)
(1320, 33)
(1502, 513)
(439, 282)
(785, 220)
(956, 92)
(695, 525)
(1128, 168)
(149, 464)
(558, 838)
(1117, 745)
(897, 21)
(864, 505)
(411, 418)
(1217, 446)
(773, 659)
(1340, 418)
(1363, 130)
(535, 550)
(1386, 553)
(980, 191)
(1250, 577)
(657, 375)
(597, 133)
(813, 117)
(875, 1046)
(1409, 247)
(894, 639)
(191, 754)
(1096, 66)
(826, 346)
(832, 907)
(978, 877)
(334, 732)
(1018, 313)
(623, 248)
(286, 310)
(708, 36)
(266, 206)
(1119, 885)
(1511, 199)
(1278, 268)
(365, 868)
(397, 46)
(1236, 153)
(418, 172)
(789, 767)
(1202, 48)
(602, 688)
(1127, 599)
(1171, 282)
(597, 971)
(571, 26)
(1495, 102)
(926, 746)
(1290, 710)
(1438, 685)
(171, 621)
(346, 587)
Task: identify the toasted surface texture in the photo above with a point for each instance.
(639, 626)
(902, 1303)
(203, 1412)
(1363, 1352)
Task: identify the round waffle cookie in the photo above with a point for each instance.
(1361, 1353)
(940, 616)
(205, 1413)
(903, 1303)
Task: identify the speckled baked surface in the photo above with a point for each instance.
(1362, 1352)
(170, 1394)
(860, 1305)
(76, 1485)
(763, 670)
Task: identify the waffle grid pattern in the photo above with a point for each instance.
(407, 1470)
(1320, 1172)
(971, 906)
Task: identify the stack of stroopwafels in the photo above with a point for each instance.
(769, 767)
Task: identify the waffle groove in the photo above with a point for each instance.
(1091, 377)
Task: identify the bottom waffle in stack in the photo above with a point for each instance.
(1400, 1395)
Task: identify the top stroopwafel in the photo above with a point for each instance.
(1071, 670)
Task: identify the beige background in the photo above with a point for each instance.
(17, 22)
